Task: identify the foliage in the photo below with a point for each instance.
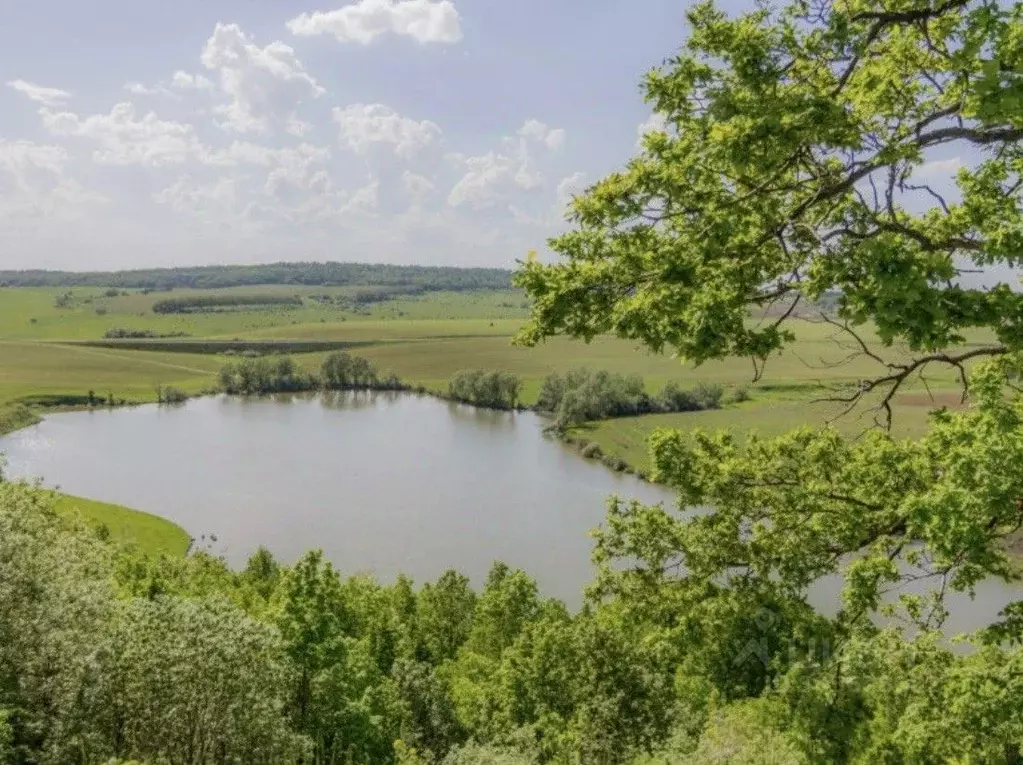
(118, 333)
(496, 390)
(342, 371)
(168, 394)
(584, 395)
(217, 302)
(170, 654)
(265, 375)
(791, 165)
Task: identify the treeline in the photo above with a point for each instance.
(280, 374)
(583, 395)
(494, 390)
(122, 333)
(326, 274)
(199, 303)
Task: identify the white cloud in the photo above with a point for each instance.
(362, 126)
(554, 139)
(491, 177)
(654, 123)
(497, 176)
(363, 200)
(416, 186)
(34, 190)
(185, 81)
(17, 157)
(263, 85)
(569, 187)
(127, 139)
(40, 94)
(187, 195)
(138, 89)
(426, 21)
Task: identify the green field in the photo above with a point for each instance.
(149, 533)
(52, 346)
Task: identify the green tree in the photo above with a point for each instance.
(788, 170)
(187, 680)
(444, 616)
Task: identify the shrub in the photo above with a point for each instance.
(342, 371)
(591, 450)
(583, 394)
(170, 395)
(497, 390)
(264, 375)
(674, 398)
(740, 394)
(709, 395)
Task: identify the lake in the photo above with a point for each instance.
(382, 482)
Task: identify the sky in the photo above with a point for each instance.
(439, 132)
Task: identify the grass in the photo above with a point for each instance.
(150, 533)
(626, 437)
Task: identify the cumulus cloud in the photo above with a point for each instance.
(498, 175)
(34, 189)
(362, 126)
(128, 139)
(189, 195)
(535, 130)
(416, 186)
(263, 85)
(654, 123)
(185, 81)
(426, 21)
(570, 187)
(492, 176)
(40, 94)
(138, 89)
(17, 157)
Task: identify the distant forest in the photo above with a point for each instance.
(325, 274)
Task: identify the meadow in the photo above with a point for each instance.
(149, 533)
(54, 351)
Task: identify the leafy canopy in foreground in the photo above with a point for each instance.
(790, 166)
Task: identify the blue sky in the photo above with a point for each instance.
(417, 131)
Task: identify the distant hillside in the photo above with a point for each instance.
(210, 277)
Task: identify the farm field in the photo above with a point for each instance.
(52, 346)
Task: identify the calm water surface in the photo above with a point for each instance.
(383, 483)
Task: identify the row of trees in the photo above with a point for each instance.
(581, 395)
(199, 303)
(124, 333)
(280, 374)
(212, 277)
(265, 375)
(495, 390)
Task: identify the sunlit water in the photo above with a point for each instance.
(383, 483)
